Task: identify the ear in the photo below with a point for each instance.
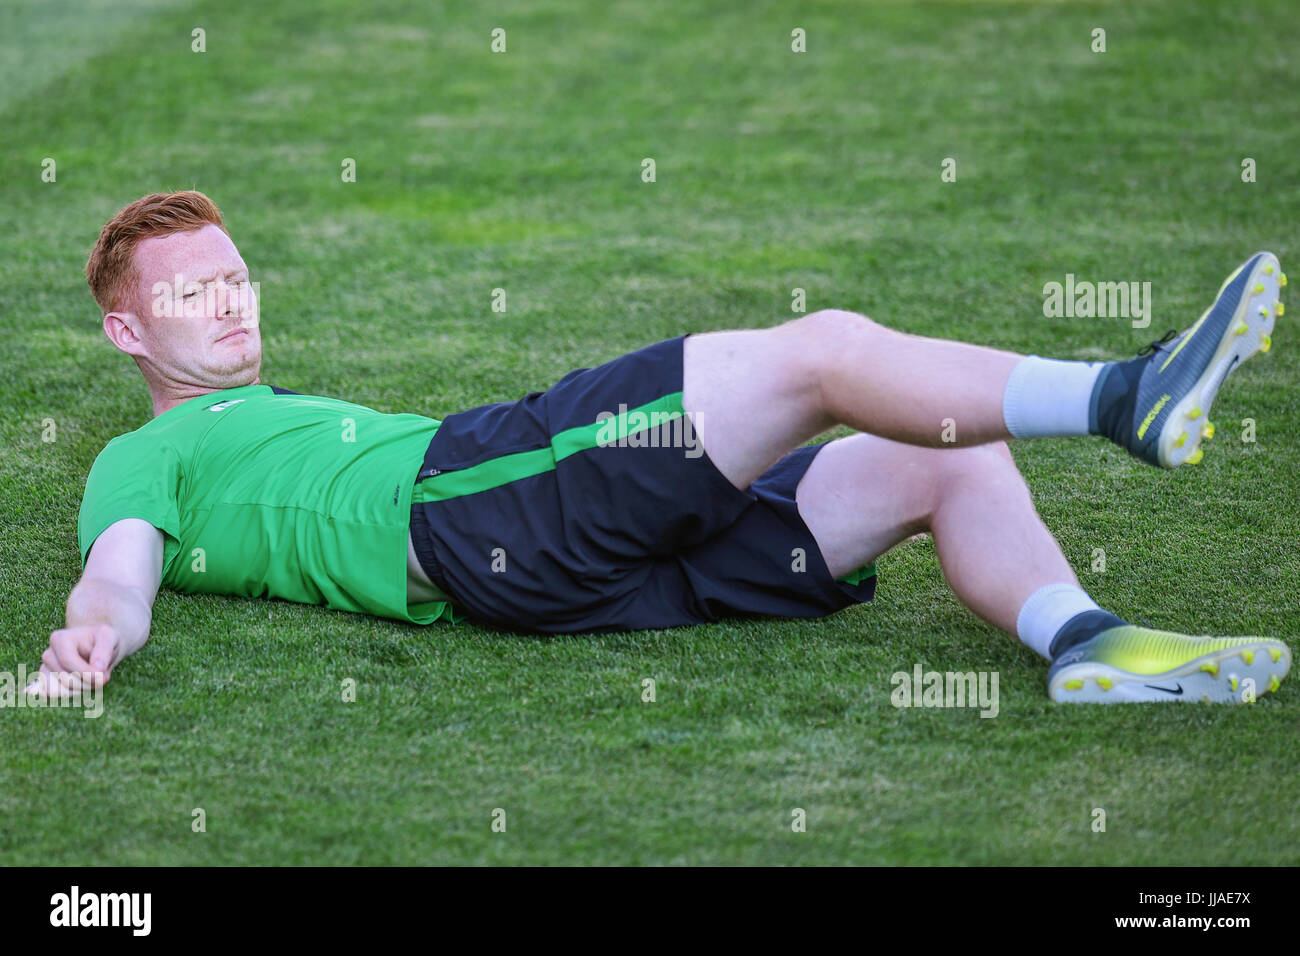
(120, 327)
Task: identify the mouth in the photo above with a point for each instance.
(230, 334)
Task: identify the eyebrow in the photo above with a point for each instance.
(228, 273)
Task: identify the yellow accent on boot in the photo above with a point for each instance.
(1281, 279)
(1208, 430)
(1268, 269)
(1232, 682)
(1074, 685)
(1259, 287)
(1178, 442)
(1103, 683)
(1273, 683)
(1280, 310)
(1195, 457)
(1263, 311)
(1194, 413)
(1265, 343)
(1241, 329)
(1248, 657)
(1274, 654)
(1211, 668)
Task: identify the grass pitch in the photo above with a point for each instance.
(775, 171)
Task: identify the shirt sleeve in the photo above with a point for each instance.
(132, 480)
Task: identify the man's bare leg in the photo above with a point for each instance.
(864, 494)
(755, 395)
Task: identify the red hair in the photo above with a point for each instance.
(110, 270)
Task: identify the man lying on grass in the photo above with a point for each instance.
(670, 486)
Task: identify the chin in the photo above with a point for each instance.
(236, 376)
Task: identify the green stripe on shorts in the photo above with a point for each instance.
(854, 578)
(496, 472)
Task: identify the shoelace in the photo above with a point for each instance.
(1148, 349)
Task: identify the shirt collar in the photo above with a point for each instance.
(200, 402)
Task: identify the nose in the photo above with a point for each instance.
(236, 301)
(228, 298)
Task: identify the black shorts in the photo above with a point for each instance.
(591, 506)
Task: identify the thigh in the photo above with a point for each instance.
(752, 396)
(864, 494)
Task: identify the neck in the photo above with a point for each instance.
(166, 397)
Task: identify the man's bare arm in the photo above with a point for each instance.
(110, 610)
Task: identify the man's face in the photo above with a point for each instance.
(194, 315)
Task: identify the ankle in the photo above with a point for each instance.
(1082, 627)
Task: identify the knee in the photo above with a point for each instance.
(835, 325)
(830, 334)
(990, 463)
(1000, 449)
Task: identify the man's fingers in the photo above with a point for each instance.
(103, 653)
(79, 657)
(68, 651)
(51, 665)
(56, 686)
(47, 685)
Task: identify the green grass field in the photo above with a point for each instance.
(775, 170)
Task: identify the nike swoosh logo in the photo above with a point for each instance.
(1176, 690)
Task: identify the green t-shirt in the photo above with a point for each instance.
(271, 495)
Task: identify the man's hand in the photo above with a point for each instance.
(109, 611)
(75, 655)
